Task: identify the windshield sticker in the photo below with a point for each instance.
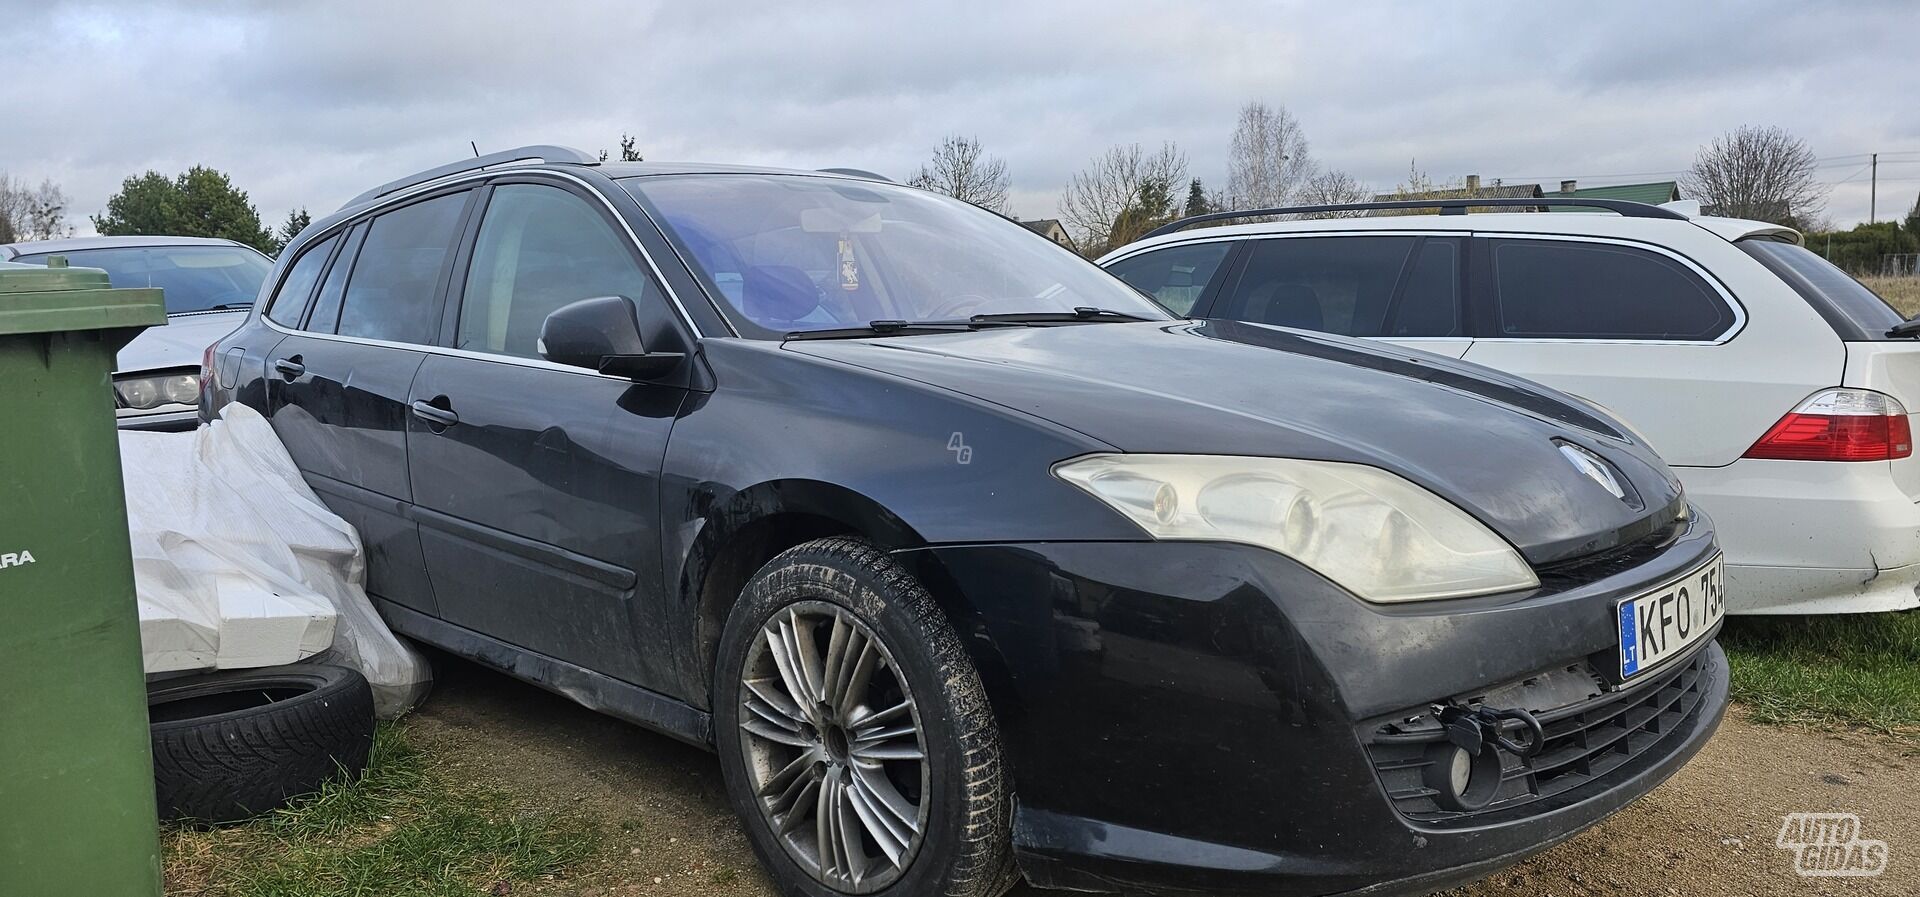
(849, 267)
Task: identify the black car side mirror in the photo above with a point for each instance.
(603, 334)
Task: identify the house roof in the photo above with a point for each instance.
(1473, 190)
(1052, 229)
(1499, 191)
(1653, 193)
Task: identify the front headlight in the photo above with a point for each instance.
(1381, 537)
(145, 393)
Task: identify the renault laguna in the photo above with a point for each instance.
(970, 562)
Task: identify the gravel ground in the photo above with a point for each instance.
(1707, 833)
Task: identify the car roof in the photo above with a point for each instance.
(650, 169)
(1597, 224)
(74, 244)
(387, 193)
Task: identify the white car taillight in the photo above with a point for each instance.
(1840, 425)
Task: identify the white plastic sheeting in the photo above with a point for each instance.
(238, 564)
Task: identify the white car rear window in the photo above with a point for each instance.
(1856, 312)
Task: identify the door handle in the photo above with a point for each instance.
(434, 415)
(289, 368)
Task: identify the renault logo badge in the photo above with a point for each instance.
(1595, 469)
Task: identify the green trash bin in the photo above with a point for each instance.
(76, 772)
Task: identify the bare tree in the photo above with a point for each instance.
(1268, 162)
(1763, 173)
(960, 170)
(1123, 193)
(1333, 187)
(31, 213)
(1419, 185)
(629, 149)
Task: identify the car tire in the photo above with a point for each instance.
(835, 594)
(232, 745)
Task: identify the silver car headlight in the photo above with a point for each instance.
(145, 393)
(1378, 535)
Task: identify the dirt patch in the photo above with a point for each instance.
(1707, 833)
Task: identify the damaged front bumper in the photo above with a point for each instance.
(1194, 717)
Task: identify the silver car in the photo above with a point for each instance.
(209, 286)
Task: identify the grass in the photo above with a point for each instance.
(1859, 670)
(1902, 292)
(403, 829)
(410, 829)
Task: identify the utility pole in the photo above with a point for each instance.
(1873, 190)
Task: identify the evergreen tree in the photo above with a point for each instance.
(1196, 200)
(200, 202)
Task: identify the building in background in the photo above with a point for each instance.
(1472, 189)
(1653, 193)
(1052, 230)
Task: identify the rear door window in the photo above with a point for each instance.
(290, 301)
(393, 291)
(1562, 289)
(326, 308)
(1340, 285)
(1429, 300)
(1175, 276)
(1856, 312)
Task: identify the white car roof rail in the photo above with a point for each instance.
(1451, 206)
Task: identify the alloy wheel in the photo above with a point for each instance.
(834, 748)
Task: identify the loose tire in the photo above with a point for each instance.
(227, 746)
(841, 692)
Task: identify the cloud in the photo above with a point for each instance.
(307, 103)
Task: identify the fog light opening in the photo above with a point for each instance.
(1462, 781)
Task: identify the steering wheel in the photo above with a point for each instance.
(958, 306)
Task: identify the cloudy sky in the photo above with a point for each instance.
(307, 103)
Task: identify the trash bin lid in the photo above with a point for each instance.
(54, 297)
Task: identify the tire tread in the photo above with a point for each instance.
(981, 862)
(231, 766)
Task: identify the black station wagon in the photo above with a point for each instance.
(971, 563)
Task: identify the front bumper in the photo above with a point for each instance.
(1190, 717)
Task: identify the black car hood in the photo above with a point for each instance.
(1488, 442)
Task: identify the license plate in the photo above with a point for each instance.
(1663, 623)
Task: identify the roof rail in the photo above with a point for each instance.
(1625, 208)
(541, 153)
(857, 173)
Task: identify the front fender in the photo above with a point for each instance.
(901, 462)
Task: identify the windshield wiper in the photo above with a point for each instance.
(226, 306)
(899, 328)
(1011, 319)
(1080, 313)
(1909, 327)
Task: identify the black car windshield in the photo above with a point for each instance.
(194, 278)
(791, 253)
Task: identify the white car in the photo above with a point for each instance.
(208, 283)
(1765, 376)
